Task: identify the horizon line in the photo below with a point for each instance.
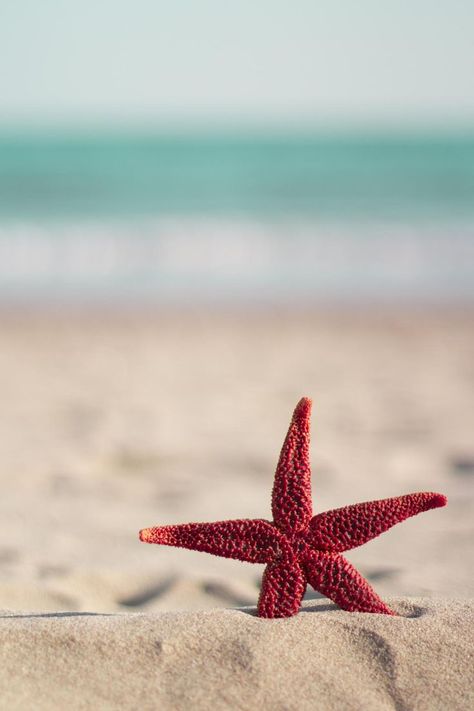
(118, 129)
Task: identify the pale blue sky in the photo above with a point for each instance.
(251, 61)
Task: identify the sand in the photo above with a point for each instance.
(114, 422)
(229, 659)
(110, 423)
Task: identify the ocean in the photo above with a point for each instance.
(220, 217)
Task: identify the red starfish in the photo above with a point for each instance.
(297, 547)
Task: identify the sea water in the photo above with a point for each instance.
(221, 217)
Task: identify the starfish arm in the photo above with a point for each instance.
(333, 576)
(253, 541)
(351, 526)
(291, 497)
(283, 587)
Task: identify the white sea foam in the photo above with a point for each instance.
(181, 258)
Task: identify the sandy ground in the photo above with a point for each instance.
(229, 659)
(110, 423)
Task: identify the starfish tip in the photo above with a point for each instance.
(146, 535)
(439, 500)
(303, 408)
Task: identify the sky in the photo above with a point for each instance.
(289, 62)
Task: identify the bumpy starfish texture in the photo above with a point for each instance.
(297, 547)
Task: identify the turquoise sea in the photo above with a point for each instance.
(236, 217)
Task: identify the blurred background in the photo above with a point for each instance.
(207, 211)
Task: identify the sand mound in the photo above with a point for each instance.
(229, 659)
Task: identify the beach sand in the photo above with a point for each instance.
(114, 422)
(229, 659)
